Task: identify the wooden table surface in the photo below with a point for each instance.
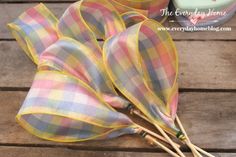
(207, 104)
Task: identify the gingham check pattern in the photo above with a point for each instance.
(68, 98)
(59, 107)
(35, 30)
(131, 18)
(141, 62)
(71, 93)
(72, 57)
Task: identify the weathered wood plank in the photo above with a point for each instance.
(12, 11)
(16, 68)
(64, 152)
(209, 119)
(207, 65)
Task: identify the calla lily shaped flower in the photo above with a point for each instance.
(142, 63)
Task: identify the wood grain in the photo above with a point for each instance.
(12, 11)
(64, 152)
(209, 119)
(205, 65)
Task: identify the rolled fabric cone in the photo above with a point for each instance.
(61, 108)
(124, 56)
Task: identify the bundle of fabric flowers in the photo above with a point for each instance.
(73, 98)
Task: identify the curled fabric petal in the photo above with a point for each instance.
(85, 21)
(88, 20)
(35, 30)
(159, 62)
(141, 62)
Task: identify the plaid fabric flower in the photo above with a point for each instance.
(142, 63)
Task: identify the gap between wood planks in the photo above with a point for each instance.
(101, 149)
(181, 90)
(58, 152)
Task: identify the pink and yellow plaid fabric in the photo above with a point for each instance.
(72, 57)
(62, 108)
(68, 100)
(142, 63)
(85, 21)
(35, 30)
(72, 93)
(131, 18)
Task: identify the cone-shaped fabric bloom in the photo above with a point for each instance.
(161, 69)
(60, 106)
(141, 61)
